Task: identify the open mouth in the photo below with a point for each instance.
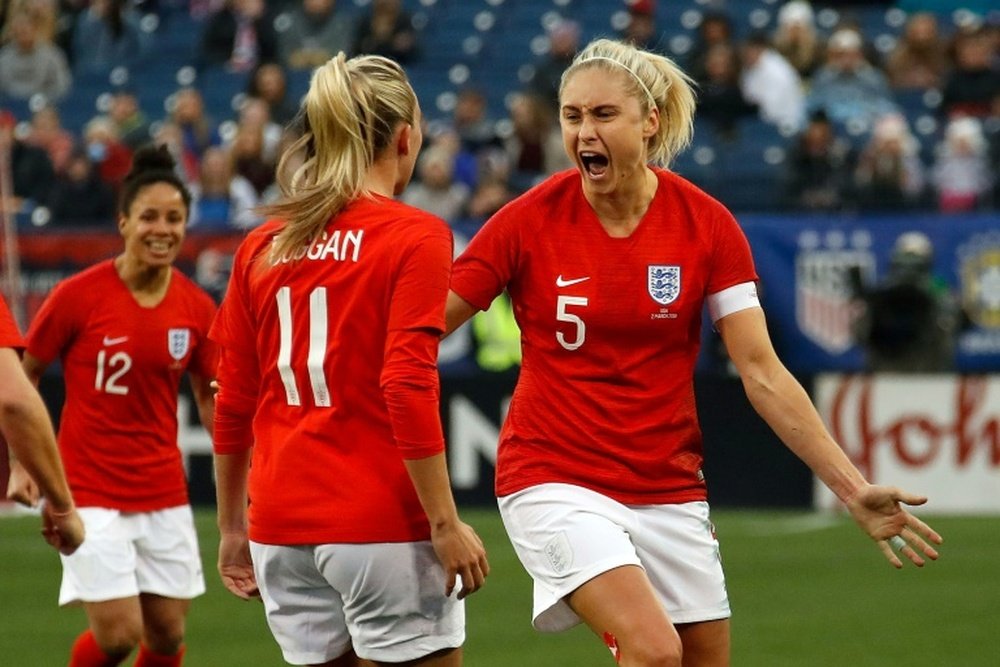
(594, 164)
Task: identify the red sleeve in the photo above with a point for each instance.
(412, 392)
(409, 378)
(488, 263)
(732, 261)
(9, 335)
(53, 326)
(238, 369)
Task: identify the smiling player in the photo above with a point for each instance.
(126, 330)
(599, 475)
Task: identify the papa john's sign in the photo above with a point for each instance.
(933, 435)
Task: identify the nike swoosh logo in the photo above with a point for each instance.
(114, 341)
(560, 282)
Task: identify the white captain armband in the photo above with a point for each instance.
(732, 299)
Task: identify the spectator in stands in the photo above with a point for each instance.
(256, 114)
(820, 167)
(493, 191)
(849, 89)
(908, 322)
(889, 173)
(720, 99)
(962, 176)
(469, 134)
(112, 158)
(387, 30)
(79, 195)
(535, 144)
(970, 87)
(239, 37)
(197, 130)
(132, 124)
(437, 191)
(222, 199)
(770, 82)
(564, 42)
(49, 15)
(48, 134)
(315, 33)
(31, 65)
(641, 29)
(920, 59)
(249, 161)
(715, 28)
(269, 82)
(107, 35)
(797, 39)
(31, 169)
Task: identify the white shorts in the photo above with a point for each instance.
(386, 600)
(128, 553)
(566, 535)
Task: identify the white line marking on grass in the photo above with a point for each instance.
(804, 523)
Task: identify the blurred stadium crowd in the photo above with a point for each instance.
(823, 106)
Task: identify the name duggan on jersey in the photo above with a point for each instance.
(340, 246)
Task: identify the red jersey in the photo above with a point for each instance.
(122, 364)
(610, 331)
(9, 335)
(331, 356)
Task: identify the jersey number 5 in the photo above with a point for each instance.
(317, 346)
(564, 316)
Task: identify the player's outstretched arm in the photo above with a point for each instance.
(457, 545)
(782, 402)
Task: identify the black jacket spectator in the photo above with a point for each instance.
(240, 36)
(80, 197)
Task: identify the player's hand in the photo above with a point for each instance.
(20, 487)
(878, 510)
(236, 567)
(64, 531)
(462, 555)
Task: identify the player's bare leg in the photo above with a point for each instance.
(705, 644)
(115, 624)
(621, 602)
(163, 623)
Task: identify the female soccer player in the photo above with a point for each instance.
(27, 430)
(125, 331)
(599, 464)
(327, 416)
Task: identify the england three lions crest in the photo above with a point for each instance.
(178, 342)
(663, 283)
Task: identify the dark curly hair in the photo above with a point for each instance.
(151, 164)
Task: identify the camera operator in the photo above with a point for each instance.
(908, 322)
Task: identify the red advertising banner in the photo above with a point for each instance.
(934, 435)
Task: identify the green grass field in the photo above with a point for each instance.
(805, 591)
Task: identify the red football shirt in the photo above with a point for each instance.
(610, 330)
(332, 358)
(122, 365)
(9, 335)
